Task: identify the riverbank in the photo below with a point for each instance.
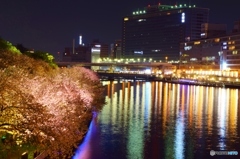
(224, 84)
(106, 76)
(83, 128)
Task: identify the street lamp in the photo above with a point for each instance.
(166, 58)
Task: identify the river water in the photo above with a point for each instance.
(156, 120)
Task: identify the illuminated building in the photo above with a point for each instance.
(99, 50)
(156, 31)
(223, 51)
(85, 53)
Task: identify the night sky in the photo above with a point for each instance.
(51, 25)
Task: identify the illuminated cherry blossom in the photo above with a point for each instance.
(50, 110)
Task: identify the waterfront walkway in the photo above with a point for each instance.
(152, 77)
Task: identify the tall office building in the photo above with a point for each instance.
(116, 49)
(223, 51)
(157, 31)
(101, 48)
(211, 30)
(236, 27)
(86, 53)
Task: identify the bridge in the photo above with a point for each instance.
(126, 76)
(130, 64)
(155, 67)
(134, 72)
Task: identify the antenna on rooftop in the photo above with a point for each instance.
(73, 46)
(190, 2)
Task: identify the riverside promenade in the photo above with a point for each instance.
(225, 84)
(153, 77)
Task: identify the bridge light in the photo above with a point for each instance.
(148, 71)
(99, 60)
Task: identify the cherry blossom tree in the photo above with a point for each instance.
(18, 113)
(44, 109)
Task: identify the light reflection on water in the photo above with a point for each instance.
(163, 120)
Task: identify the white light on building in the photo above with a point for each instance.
(95, 49)
(183, 18)
(138, 52)
(80, 40)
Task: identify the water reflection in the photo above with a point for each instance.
(163, 120)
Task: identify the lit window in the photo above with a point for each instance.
(193, 59)
(234, 52)
(187, 47)
(217, 40)
(231, 47)
(197, 42)
(140, 20)
(138, 52)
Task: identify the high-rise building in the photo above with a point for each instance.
(157, 31)
(223, 51)
(211, 30)
(116, 49)
(79, 53)
(101, 48)
(86, 53)
(236, 27)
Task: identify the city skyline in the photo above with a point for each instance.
(157, 31)
(50, 26)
